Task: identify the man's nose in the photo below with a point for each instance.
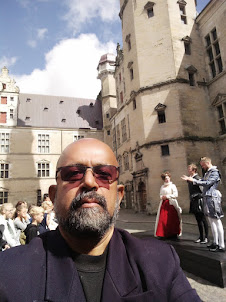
(89, 181)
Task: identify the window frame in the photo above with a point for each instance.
(165, 151)
(4, 170)
(4, 195)
(43, 170)
(43, 147)
(4, 137)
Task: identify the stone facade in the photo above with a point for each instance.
(167, 97)
(30, 147)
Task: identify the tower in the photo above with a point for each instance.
(164, 118)
(106, 68)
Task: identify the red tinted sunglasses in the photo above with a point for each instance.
(104, 174)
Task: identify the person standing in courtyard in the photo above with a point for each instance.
(168, 220)
(196, 205)
(87, 259)
(212, 202)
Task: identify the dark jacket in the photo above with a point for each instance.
(136, 271)
(31, 232)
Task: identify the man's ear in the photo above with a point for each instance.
(52, 192)
(120, 189)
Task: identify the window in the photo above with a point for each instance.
(149, 8)
(77, 137)
(4, 137)
(11, 113)
(3, 85)
(123, 126)
(3, 99)
(161, 117)
(4, 171)
(3, 197)
(165, 150)
(128, 41)
(43, 169)
(222, 117)
(182, 10)
(191, 75)
(187, 48)
(43, 143)
(131, 74)
(3, 117)
(183, 19)
(134, 104)
(214, 53)
(129, 45)
(39, 196)
(118, 135)
(121, 97)
(28, 100)
(107, 115)
(108, 132)
(160, 108)
(150, 12)
(191, 78)
(114, 139)
(11, 98)
(120, 77)
(126, 161)
(120, 163)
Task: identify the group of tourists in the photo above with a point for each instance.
(205, 204)
(20, 224)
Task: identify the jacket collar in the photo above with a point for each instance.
(62, 280)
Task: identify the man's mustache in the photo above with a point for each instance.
(78, 201)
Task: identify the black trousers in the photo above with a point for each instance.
(202, 225)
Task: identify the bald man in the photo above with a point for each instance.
(87, 259)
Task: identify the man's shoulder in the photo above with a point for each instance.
(143, 246)
(33, 251)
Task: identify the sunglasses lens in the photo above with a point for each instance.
(105, 173)
(72, 173)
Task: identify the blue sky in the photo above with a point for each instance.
(53, 46)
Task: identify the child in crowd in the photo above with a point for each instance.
(37, 215)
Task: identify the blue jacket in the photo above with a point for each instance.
(210, 182)
(136, 271)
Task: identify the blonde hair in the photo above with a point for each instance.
(6, 206)
(47, 204)
(35, 210)
(205, 159)
(193, 167)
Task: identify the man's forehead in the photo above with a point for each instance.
(91, 152)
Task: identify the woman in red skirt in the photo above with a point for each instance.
(168, 221)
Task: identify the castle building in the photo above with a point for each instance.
(169, 105)
(34, 129)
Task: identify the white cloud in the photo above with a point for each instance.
(41, 33)
(71, 69)
(6, 61)
(32, 43)
(80, 12)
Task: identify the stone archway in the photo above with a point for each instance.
(142, 196)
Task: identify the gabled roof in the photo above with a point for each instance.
(46, 111)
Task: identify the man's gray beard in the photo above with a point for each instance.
(85, 222)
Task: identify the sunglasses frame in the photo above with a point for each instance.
(87, 167)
